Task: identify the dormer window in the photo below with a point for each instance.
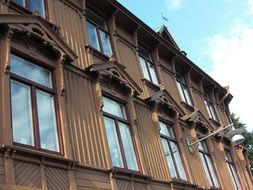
(97, 33)
(183, 89)
(209, 107)
(147, 67)
(33, 5)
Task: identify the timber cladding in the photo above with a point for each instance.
(96, 53)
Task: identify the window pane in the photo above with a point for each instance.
(169, 159)
(128, 147)
(208, 110)
(164, 129)
(153, 74)
(187, 96)
(105, 43)
(206, 169)
(211, 169)
(231, 174)
(47, 121)
(20, 2)
(202, 146)
(228, 156)
(180, 91)
(235, 177)
(22, 123)
(212, 112)
(92, 35)
(113, 142)
(114, 108)
(30, 71)
(178, 160)
(144, 69)
(37, 5)
(96, 19)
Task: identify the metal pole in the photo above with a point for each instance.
(215, 132)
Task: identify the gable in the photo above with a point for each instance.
(163, 32)
(116, 71)
(38, 29)
(164, 98)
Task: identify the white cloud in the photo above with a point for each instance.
(250, 3)
(174, 4)
(232, 56)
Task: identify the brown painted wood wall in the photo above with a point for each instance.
(84, 120)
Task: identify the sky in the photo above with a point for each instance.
(217, 35)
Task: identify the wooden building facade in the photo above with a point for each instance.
(92, 98)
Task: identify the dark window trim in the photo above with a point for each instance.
(206, 153)
(183, 85)
(35, 86)
(168, 139)
(230, 164)
(105, 30)
(127, 122)
(209, 104)
(27, 7)
(151, 62)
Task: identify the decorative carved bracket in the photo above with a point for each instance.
(113, 70)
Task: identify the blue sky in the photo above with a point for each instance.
(217, 36)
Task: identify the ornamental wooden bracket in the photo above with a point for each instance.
(114, 71)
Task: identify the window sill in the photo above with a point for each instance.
(122, 172)
(24, 10)
(32, 151)
(180, 182)
(97, 53)
(151, 85)
(187, 106)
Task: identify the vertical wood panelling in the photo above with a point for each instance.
(195, 162)
(27, 174)
(150, 143)
(57, 179)
(87, 180)
(221, 165)
(72, 29)
(129, 60)
(83, 120)
(170, 86)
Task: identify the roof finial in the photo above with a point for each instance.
(165, 19)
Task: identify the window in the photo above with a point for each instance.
(33, 5)
(33, 105)
(97, 33)
(232, 170)
(183, 90)
(119, 135)
(209, 107)
(207, 165)
(147, 67)
(171, 152)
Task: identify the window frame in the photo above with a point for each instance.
(182, 86)
(126, 121)
(175, 141)
(35, 116)
(149, 64)
(210, 107)
(230, 164)
(26, 5)
(98, 28)
(205, 154)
